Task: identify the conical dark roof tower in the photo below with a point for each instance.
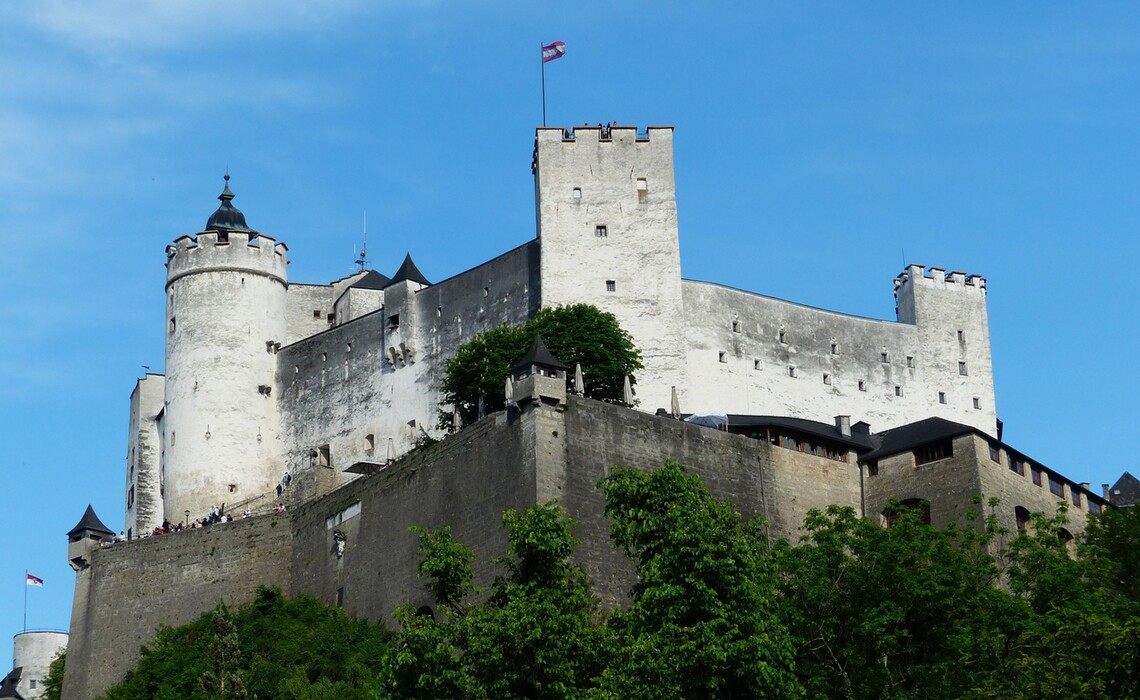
(227, 217)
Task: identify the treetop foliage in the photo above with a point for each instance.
(576, 334)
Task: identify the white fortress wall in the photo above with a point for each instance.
(144, 457)
(341, 386)
(226, 311)
(754, 354)
(308, 307)
(607, 223)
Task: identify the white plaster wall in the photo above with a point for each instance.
(640, 252)
(747, 370)
(307, 310)
(331, 394)
(144, 454)
(34, 651)
(220, 440)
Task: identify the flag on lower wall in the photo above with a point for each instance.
(35, 581)
(553, 51)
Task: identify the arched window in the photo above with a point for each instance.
(1021, 515)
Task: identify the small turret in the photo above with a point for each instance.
(539, 378)
(89, 534)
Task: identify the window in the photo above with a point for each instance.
(486, 291)
(943, 449)
(172, 324)
(394, 320)
(977, 403)
(962, 369)
(898, 390)
(642, 190)
(1094, 507)
(369, 441)
(1016, 464)
(173, 437)
(348, 347)
(834, 347)
(862, 385)
(783, 336)
(910, 361)
(316, 313)
(577, 194)
(736, 326)
(827, 378)
(961, 336)
(131, 497)
(942, 397)
(1056, 487)
(757, 365)
(321, 456)
(1036, 474)
(600, 231)
(723, 356)
(1076, 496)
(995, 453)
(439, 312)
(340, 597)
(872, 468)
(611, 285)
(792, 371)
(1022, 518)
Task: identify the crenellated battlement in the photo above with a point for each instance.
(226, 250)
(920, 275)
(610, 135)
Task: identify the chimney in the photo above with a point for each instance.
(843, 425)
(1104, 489)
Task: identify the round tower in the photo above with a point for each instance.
(225, 316)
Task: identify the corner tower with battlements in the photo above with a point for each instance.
(226, 318)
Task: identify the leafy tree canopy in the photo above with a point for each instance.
(577, 334)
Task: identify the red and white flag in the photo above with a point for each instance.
(553, 51)
(35, 581)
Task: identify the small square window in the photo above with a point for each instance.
(577, 193)
(862, 385)
(910, 361)
(872, 468)
(601, 231)
(394, 321)
(611, 285)
(962, 368)
(736, 326)
(316, 313)
(884, 357)
(977, 403)
(792, 371)
(723, 356)
(827, 378)
(757, 364)
(942, 397)
(898, 390)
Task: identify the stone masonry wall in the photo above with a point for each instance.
(132, 589)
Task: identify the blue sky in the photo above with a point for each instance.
(818, 147)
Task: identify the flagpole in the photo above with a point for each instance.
(25, 600)
(543, 64)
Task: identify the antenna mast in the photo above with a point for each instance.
(362, 261)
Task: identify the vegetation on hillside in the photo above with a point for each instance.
(853, 610)
(576, 334)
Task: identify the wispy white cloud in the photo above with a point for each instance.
(173, 24)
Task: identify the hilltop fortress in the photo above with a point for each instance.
(267, 378)
(315, 395)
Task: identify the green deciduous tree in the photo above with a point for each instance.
(574, 334)
(538, 635)
(901, 612)
(53, 681)
(702, 623)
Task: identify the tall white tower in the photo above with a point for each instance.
(225, 308)
(607, 227)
